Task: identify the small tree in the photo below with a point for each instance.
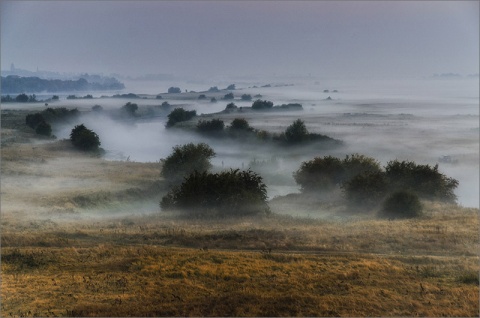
(246, 97)
(202, 96)
(296, 132)
(259, 104)
(240, 124)
(33, 120)
(424, 180)
(401, 204)
(210, 126)
(44, 129)
(174, 90)
(365, 190)
(228, 96)
(356, 164)
(179, 115)
(22, 98)
(320, 174)
(186, 159)
(231, 87)
(130, 108)
(84, 138)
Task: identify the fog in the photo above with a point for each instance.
(427, 121)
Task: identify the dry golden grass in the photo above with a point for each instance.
(110, 280)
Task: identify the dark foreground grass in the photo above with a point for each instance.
(109, 280)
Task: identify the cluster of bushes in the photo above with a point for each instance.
(76, 97)
(21, 98)
(199, 193)
(366, 184)
(178, 115)
(230, 193)
(210, 126)
(84, 139)
(40, 122)
(185, 160)
(174, 90)
(262, 104)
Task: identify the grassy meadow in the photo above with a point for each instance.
(83, 236)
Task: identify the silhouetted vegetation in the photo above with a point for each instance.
(231, 107)
(262, 105)
(129, 95)
(186, 159)
(228, 96)
(240, 124)
(213, 89)
(178, 115)
(97, 108)
(230, 193)
(246, 97)
(130, 108)
(16, 84)
(202, 96)
(44, 128)
(401, 204)
(210, 126)
(424, 180)
(22, 98)
(231, 87)
(365, 184)
(365, 190)
(174, 90)
(84, 138)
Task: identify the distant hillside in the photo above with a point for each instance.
(13, 84)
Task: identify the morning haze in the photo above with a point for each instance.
(240, 158)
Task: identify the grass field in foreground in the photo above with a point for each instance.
(109, 280)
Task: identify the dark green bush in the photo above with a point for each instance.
(231, 106)
(296, 132)
(174, 90)
(226, 194)
(33, 120)
(320, 174)
(130, 108)
(240, 124)
(365, 190)
(84, 138)
(424, 180)
(228, 96)
(355, 164)
(179, 115)
(186, 159)
(210, 126)
(44, 129)
(401, 204)
(259, 104)
(246, 97)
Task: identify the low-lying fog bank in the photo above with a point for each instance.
(426, 121)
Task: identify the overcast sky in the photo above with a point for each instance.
(199, 38)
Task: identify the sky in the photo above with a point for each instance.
(333, 39)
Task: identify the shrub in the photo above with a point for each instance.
(213, 89)
(97, 108)
(174, 90)
(355, 164)
(33, 120)
(231, 106)
(202, 96)
(231, 87)
(22, 98)
(296, 132)
(228, 96)
(186, 159)
(246, 97)
(84, 138)
(365, 190)
(213, 100)
(320, 174)
(130, 108)
(158, 97)
(210, 126)
(424, 180)
(402, 204)
(179, 115)
(259, 104)
(225, 194)
(240, 124)
(44, 129)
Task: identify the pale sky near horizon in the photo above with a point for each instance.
(208, 38)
